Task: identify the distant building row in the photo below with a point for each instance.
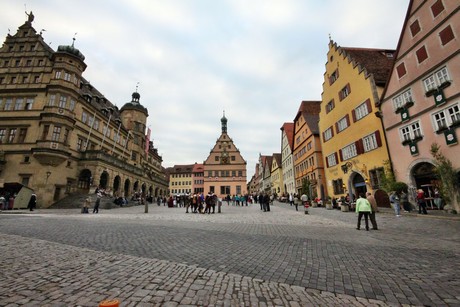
(379, 109)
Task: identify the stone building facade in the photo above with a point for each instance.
(59, 135)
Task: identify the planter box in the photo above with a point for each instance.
(345, 208)
(329, 206)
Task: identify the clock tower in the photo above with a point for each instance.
(225, 168)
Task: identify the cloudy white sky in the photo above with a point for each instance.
(193, 59)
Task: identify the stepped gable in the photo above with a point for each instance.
(377, 62)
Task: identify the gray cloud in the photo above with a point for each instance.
(257, 60)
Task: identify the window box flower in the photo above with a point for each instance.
(445, 84)
(431, 92)
(441, 129)
(455, 124)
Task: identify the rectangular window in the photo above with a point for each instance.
(328, 134)
(67, 76)
(22, 135)
(238, 189)
(437, 8)
(56, 134)
(446, 35)
(19, 105)
(79, 144)
(46, 129)
(29, 103)
(331, 160)
(410, 131)
(37, 79)
(8, 104)
(330, 106)
(344, 92)
(84, 117)
(414, 28)
(66, 136)
(447, 117)
(370, 142)
(436, 79)
(361, 111)
(401, 99)
(11, 135)
(72, 104)
(2, 135)
(52, 100)
(342, 124)
(349, 151)
(421, 54)
(62, 101)
(401, 70)
(58, 75)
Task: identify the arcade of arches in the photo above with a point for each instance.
(117, 186)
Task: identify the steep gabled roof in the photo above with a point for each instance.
(198, 168)
(376, 61)
(310, 111)
(288, 128)
(277, 158)
(180, 169)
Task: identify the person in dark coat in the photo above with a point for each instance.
(32, 202)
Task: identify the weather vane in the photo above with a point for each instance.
(137, 86)
(73, 39)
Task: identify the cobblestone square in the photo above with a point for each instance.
(243, 256)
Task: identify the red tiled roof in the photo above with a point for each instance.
(289, 130)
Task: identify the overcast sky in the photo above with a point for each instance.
(193, 59)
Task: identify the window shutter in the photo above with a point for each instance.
(340, 155)
(446, 35)
(437, 8)
(324, 137)
(330, 80)
(337, 73)
(401, 70)
(337, 127)
(369, 105)
(336, 158)
(421, 54)
(340, 95)
(378, 138)
(353, 115)
(349, 88)
(414, 28)
(327, 162)
(332, 132)
(359, 146)
(348, 120)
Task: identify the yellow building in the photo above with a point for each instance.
(59, 135)
(225, 169)
(180, 179)
(276, 176)
(353, 141)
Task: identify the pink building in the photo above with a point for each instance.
(420, 105)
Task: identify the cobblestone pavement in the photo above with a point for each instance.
(241, 257)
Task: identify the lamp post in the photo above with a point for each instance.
(48, 174)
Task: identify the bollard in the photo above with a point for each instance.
(307, 205)
(109, 303)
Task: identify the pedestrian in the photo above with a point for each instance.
(404, 200)
(421, 202)
(97, 203)
(374, 208)
(261, 201)
(296, 202)
(363, 208)
(32, 202)
(437, 198)
(3, 203)
(394, 199)
(291, 199)
(86, 205)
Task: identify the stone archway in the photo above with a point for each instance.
(423, 173)
(84, 179)
(116, 185)
(359, 185)
(127, 188)
(104, 180)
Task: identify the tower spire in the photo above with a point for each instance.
(223, 121)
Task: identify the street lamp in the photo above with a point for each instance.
(48, 174)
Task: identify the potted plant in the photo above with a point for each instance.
(328, 203)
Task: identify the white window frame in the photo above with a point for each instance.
(331, 160)
(52, 100)
(349, 151)
(361, 111)
(410, 131)
(436, 79)
(402, 98)
(328, 134)
(342, 124)
(370, 142)
(446, 117)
